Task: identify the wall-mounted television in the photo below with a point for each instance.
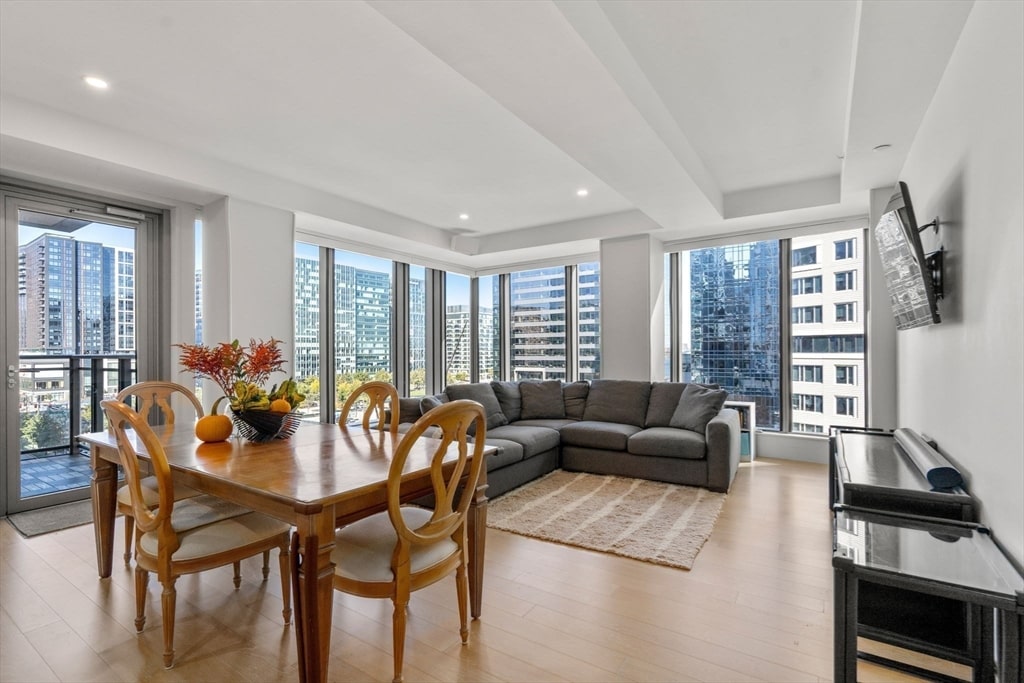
(912, 278)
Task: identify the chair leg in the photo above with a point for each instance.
(266, 564)
(462, 588)
(129, 528)
(284, 563)
(168, 601)
(398, 619)
(238, 574)
(141, 586)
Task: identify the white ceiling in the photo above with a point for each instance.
(382, 122)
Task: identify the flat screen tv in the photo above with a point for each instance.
(907, 271)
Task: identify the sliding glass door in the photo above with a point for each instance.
(71, 337)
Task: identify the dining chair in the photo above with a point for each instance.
(381, 396)
(406, 548)
(187, 536)
(150, 398)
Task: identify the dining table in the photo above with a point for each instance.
(319, 479)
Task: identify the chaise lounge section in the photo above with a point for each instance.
(665, 431)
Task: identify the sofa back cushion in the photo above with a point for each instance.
(618, 400)
(482, 393)
(409, 409)
(510, 399)
(697, 406)
(574, 396)
(542, 400)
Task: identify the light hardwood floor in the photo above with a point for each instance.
(757, 606)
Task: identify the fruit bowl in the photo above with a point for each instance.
(260, 426)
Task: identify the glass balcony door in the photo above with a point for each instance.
(69, 340)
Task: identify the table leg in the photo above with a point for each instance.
(845, 627)
(1011, 645)
(315, 598)
(103, 487)
(477, 530)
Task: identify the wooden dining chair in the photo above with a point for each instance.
(187, 536)
(152, 399)
(381, 397)
(405, 548)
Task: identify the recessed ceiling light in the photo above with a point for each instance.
(582, 192)
(463, 216)
(96, 82)
(879, 148)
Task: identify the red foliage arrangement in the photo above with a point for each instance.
(226, 364)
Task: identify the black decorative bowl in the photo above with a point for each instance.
(260, 426)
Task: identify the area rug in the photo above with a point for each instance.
(646, 520)
(54, 518)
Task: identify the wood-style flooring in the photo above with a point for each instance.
(757, 606)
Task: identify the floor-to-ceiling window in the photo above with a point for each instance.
(306, 369)
(732, 326)
(489, 339)
(458, 345)
(538, 323)
(588, 320)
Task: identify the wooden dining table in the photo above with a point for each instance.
(322, 477)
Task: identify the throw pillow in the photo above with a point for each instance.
(623, 401)
(542, 400)
(697, 406)
(428, 403)
(482, 393)
(510, 399)
(664, 399)
(575, 398)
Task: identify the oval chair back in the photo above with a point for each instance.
(152, 395)
(381, 395)
(152, 399)
(451, 502)
(121, 417)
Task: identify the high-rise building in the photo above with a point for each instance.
(458, 349)
(734, 316)
(75, 297)
(827, 293)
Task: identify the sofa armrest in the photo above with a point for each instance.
(723, 445)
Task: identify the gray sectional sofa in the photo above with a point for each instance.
(666, 431)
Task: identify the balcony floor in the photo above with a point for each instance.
(52, 473)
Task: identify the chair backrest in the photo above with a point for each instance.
(378, 394)
(451, 501)
(121, 417)
(154, 394)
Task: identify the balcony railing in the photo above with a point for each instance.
(60, 398)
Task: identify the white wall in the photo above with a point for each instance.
(632, 308)
(248, 275)
(962, 381)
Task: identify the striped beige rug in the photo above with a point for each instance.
(646, 520)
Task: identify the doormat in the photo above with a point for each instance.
(645, 520)
(53, 518)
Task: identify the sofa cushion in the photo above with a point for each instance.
(510, 399)
(508, 452)
(668, 442)
(623, 401)
(605, 435)
(534, 440)
(542, 400)
(409, 409)
(550, 424)
(574, 396)
(482, 393)
(697, 405)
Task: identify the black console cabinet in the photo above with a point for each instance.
(870, 471)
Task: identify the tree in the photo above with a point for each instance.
(47, 428)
